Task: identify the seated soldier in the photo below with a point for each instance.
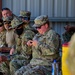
(23, 52)
(10, 41)
(25, 17)
(9, 32)
(44, 49)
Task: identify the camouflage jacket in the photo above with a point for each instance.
(47, 48)
(29, 27)
(21, 46)
(3, 38)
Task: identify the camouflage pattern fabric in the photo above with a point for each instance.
(43, 55)
(47, 48)
(33, 70)
(24, 52)
(71, 55)
(25, 13)
(3, 38)
(5, 68)
(29, 27)
(10, 40)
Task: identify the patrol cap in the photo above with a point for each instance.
(1, 22)
(25, 13)
(16, 23)
(40, 20)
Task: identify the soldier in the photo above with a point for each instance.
(2, 37)
(6, 12)
(71, 56)
(9, 32)
(10, 41)
(45, 49)
(68, 33)
(24, 53)
(25, 17)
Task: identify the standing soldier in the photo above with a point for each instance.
(45, 49)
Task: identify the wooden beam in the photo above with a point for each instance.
(0, 8)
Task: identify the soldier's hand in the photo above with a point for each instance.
(12, 51)
(34, 42)
(3, 58)
(29, 43)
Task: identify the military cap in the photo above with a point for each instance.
(25, 13)
(40, 20)
(16, 23)
(1, 22)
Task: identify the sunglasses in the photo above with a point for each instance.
(25, 18)
(1, 25)
(38, 27)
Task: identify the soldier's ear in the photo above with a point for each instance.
(11, 12)
(46, 25)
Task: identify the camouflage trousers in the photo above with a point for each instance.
(17, 63)
(5, 67)
(34, 70)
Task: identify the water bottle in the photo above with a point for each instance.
(55, 70)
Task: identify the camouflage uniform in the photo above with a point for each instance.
(44, 53)
(24, 52)
(11, 18)
(2, 38)
(2, 35)
(9, 32)
(10, 41)
(71, 55)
